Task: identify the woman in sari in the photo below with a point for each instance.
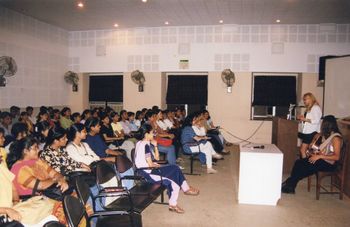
(32, 173)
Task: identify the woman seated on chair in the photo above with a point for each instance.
(212, 129)
(193, 143)
(168, 149)
(31, 172)
(323, 154)
(213, 137)
(56, 155)
(170, 175)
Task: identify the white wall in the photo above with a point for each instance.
(245, 48)
(41, 53)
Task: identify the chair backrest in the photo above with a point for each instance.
(104, 172)
(133, 156)
(74, 211)
(83, 190)
(53, 224)
(342, 162)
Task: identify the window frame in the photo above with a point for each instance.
(274, 108)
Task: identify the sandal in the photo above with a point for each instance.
(192, 191)
(229, 144)
(176, 209)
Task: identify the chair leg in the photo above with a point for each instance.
(308, 183)
(192, 164)
(341, 189)
(318, 187)
(162, 197)
(332, 183)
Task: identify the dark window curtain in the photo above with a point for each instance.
(187, 90)
(106, 89)
(274, 90)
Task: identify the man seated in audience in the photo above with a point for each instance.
(125, 123)
(132, 125)
(55, 116)
(6, 123)
(29, 110)
(15, 111)
(95, 141)
(139, 119)
(19, 131)
(24, 118)
(65, 120)
(113, 140)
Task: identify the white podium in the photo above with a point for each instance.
(260, 175)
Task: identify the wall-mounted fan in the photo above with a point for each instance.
(8, 68)
(138, 78)
(72, 78)
(228, 77)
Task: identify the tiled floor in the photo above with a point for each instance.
(217, 205)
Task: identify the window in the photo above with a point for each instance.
(190, 91)
(272, 94)
(184, 89)
(106, 88)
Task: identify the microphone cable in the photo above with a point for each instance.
(241, 140)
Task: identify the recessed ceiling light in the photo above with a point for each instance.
(221, 21)
(278, 21)
(80, 4)
(116, 25)
(166, 22)
(144, 0)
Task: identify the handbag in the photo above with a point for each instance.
(52, 192)
(164, 142)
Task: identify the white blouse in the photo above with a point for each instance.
(200, 131)
(141, 155)
(162, 125)
(314, 115)
(82, 153)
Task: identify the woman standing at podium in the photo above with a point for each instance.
(311, 121)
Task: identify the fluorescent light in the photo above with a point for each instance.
(278, 21)
(221, 21)
(166, 22)
(116, 25)
(80, 4)
(144, 1)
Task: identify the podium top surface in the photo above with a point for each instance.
(268, 148)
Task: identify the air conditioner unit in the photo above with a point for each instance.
(116, 106)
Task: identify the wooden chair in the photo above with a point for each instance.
(337, 177)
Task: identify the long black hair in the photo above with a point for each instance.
(145, 128)
(91, 122)
(17, 150)
(189, 119)
(78, 127)
(55, 133)
(329, 125)
(39, 128)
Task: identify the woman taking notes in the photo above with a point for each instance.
(311, 121)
